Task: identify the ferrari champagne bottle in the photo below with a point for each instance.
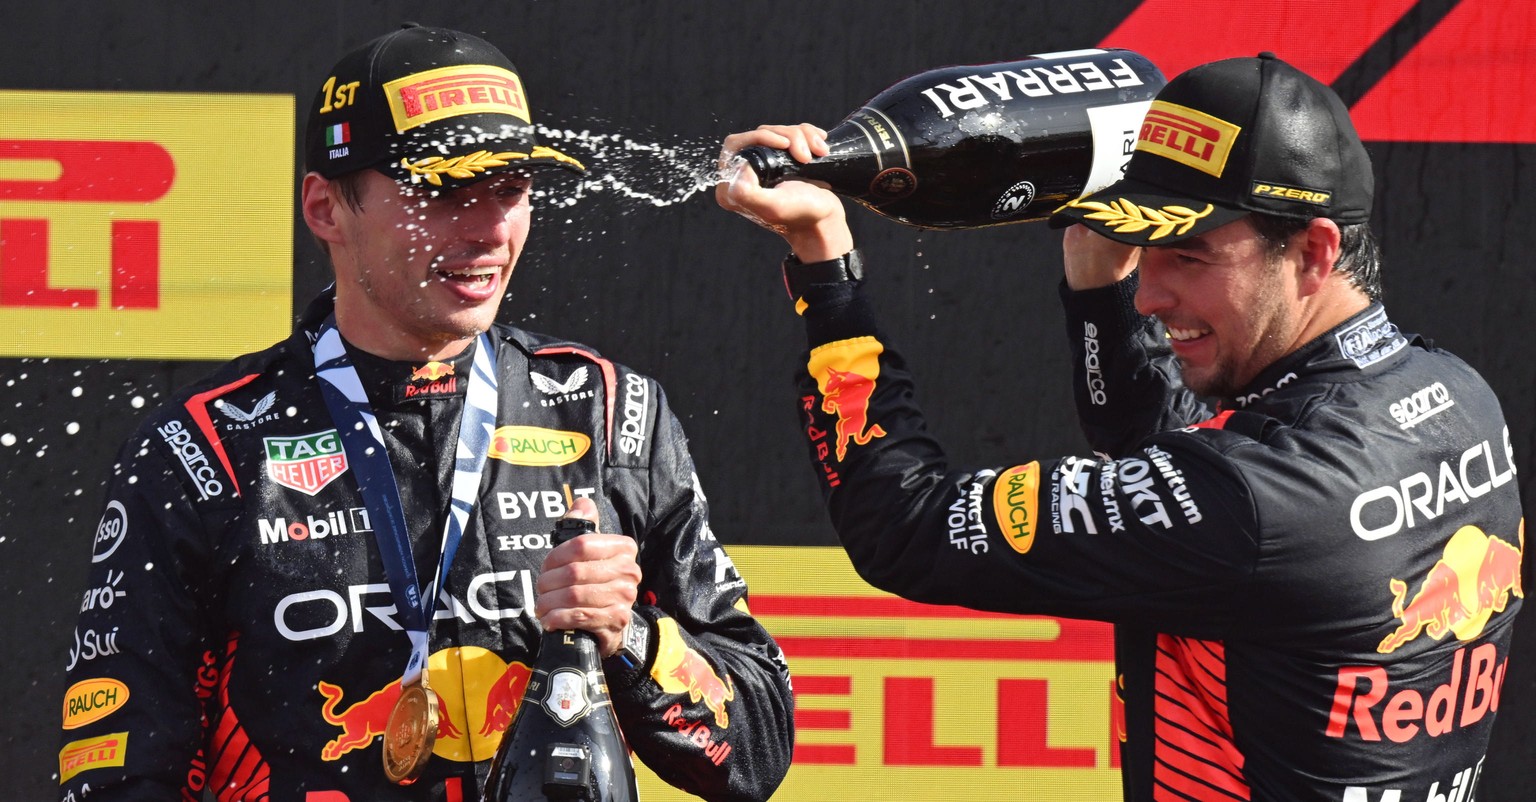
(565, 743)
(982, 145)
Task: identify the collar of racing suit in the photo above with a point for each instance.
(1366, 340)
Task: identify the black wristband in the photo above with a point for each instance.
(798, 275)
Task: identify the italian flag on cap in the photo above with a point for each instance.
(339, 134)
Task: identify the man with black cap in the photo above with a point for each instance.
(1313, 580)
(326, 540)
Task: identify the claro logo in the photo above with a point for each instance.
(106, 214)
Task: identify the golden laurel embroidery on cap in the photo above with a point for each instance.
(1126, 217)
(433, 168)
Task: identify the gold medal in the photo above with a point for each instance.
(411, 732)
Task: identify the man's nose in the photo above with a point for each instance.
(487, 219)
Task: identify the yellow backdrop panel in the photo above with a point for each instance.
(897, 700)
(144, 225)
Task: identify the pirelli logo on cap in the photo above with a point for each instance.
(1191, 138)
(424, 97)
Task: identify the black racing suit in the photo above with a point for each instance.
(238, 632)
(1313, 590)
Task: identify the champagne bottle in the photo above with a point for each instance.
(565, 743)
(983, 145)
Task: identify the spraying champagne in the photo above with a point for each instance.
(983, 145)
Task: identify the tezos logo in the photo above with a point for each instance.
(110, 532)
(1014, 201)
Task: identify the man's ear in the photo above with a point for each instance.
(1319, 252)
(318, 203)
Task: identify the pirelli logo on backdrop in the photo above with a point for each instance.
(158, 223)
(423, 97)
(1191, 138)
(900, 700)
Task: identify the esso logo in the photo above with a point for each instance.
(110, 532)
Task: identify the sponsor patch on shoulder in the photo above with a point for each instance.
(1016, 503)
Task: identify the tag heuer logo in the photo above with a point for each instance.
(306, 463)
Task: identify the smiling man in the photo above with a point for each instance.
(1313, 578)
(323, 539)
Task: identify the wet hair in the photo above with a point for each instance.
(350, 187)
(1359, 253)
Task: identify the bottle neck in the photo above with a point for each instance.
(570, 647)
(771, 166)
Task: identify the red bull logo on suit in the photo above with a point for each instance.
(680, 669)
(477, 697)
(845, 374)
(1471, 581)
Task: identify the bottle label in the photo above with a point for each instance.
(1014, 201)
(1115, 130)
(893, 183)
(567, 699)
(1072, 75)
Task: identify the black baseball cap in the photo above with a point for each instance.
(1228, 138)
(427, 106)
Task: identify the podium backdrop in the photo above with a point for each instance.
(147, 230)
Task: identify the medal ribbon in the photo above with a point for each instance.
(363, 442)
